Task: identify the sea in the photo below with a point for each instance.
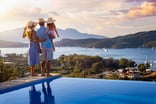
(139, 55)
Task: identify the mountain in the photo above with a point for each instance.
(140, 39)
(74, 34)
(16, 35)
(8, 44)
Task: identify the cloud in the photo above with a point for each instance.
(85, 5)
(146, 9)
(85, 15)
(134, 0)
(91, 16)
(118, 12)
(23, 14)
(54, 13)
(140, 1)
(18, 17)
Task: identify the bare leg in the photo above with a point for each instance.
(32, 70)
(43, 68)
(48, 67)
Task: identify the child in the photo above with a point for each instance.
(51, 28)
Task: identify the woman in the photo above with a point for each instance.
(34, 47)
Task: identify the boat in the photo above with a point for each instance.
(105, 50)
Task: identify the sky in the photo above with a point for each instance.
(109, 18)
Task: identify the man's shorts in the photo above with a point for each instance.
(47, 54)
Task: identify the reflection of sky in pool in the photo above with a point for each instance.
(84, 91)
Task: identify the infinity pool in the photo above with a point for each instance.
(83, 91)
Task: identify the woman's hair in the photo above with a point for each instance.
(29, 29)
(28, 32)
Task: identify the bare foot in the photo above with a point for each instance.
(48, 75)
(33, 75)
(42, 75)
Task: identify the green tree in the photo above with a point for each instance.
(142, 67)
(97, 68)
(111, 64)
(131, 63)
(123, 63)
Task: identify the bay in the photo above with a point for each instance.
(139, 55)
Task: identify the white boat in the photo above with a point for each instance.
(105, 50)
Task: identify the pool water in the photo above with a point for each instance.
(83, 91)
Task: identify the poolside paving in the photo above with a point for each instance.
(24, 82)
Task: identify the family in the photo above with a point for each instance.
(41, 42)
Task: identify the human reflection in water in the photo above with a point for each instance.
(48, 97)
(35, 96)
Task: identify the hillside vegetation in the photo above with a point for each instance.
(138, 40)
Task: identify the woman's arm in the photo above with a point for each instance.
(36, 39)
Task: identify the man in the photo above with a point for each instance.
(46, 45)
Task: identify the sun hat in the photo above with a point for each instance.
(50, 20)
(31, 23)
(41, 20)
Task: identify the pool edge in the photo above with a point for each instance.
(26, 84)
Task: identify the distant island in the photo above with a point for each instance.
(9, 44)
(145, 39)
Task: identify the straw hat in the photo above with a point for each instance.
(50, 20)
(41, 20)
(31, 23)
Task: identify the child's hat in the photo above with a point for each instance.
(50, 20)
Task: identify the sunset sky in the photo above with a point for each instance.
(104, 17)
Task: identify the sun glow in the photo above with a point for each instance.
(5, 6)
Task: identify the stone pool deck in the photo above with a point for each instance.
(25, 82)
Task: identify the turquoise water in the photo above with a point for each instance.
(136, 54)
(84, 91)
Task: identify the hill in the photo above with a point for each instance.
(15, 35)
(74, 34)
(140, 39)
(8, 44)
